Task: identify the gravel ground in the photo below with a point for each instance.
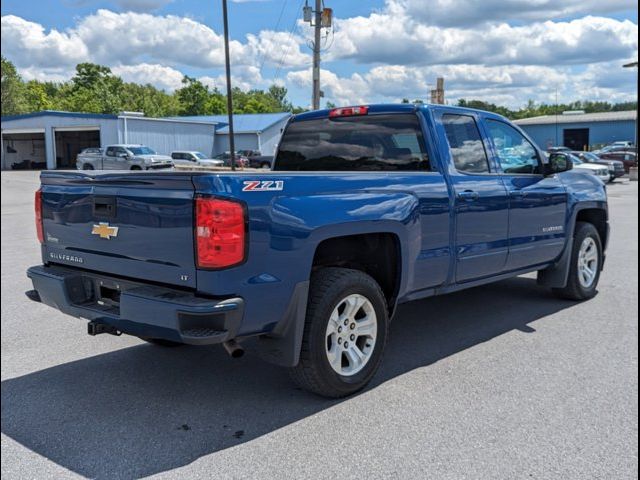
(502, 381)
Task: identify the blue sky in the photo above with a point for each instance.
(505, 51)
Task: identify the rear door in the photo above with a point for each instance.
(481, 202)
(138, 226)
(111, 158)
(537, 204)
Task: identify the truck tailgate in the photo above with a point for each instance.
(134, 225)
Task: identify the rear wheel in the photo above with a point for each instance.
(136, 167)
(345, 333)
(586, 263)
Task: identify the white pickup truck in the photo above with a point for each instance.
(122, 157)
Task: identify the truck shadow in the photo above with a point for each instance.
(144, 409)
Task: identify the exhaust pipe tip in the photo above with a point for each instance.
(233, 349)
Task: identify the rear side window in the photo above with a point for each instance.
(360, 143)
(467, 149)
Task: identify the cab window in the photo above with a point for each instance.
(515, 153)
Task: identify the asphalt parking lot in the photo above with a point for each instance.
(502, 381)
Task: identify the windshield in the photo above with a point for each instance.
(357, 143)
(199, 156)
(141, 150)
(576, 160)
(592, 157)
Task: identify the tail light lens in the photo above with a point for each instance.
(38, 207)
(348, 111)
(220, 233)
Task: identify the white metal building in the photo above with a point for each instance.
(51, 139)
(252, 131)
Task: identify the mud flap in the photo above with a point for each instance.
(282, 346)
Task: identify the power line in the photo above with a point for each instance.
(286, 51)
(264, 54)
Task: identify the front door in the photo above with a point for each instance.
(537, 204)
(481, 202)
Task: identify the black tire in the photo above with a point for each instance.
(87, 166)
(329, 286)
(136, 167)
(574, 289)
(161, 342)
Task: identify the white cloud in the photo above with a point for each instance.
(471, 13)
(245, 78)
(160, 76)
(496, 50)
(511, 86)
(22, 38)
(130, 38)
(385, 38)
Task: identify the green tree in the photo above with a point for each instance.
(193, 97)
(12, 90)
(36, 97)
(93, 89)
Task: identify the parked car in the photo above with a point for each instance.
(184, 157)
(262, 161)
(623, 143)
(616, 148)
(240, 160)
(600, 171)
(305, 265)
(629, 159)
(616, 168)
(249, 153)
(558, 149)
(122, 157)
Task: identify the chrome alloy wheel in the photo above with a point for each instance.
(351, 335)
(588, 262)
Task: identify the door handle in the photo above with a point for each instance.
(518, 193)
(468, 195)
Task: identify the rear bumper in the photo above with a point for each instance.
(135, 308)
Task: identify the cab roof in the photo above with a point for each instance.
(397, 108)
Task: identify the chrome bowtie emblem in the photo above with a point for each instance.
(104, 230)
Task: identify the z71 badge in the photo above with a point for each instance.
(263, 186)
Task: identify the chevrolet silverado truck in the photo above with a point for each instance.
(122, 157)
(366, 208)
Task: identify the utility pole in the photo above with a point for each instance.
(316, 56)
(319, 18)
(232, 146)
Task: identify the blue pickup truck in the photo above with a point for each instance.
(366, 208)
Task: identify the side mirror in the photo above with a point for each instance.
(558, 163)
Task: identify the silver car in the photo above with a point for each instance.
(192, 157)
(122, 157)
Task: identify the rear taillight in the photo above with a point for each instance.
(38, 207)
(220, 233)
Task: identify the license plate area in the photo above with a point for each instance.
(96, 293)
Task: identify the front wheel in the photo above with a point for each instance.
(87, 166)
(586, 264)
(344, 335)
(136, 167)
